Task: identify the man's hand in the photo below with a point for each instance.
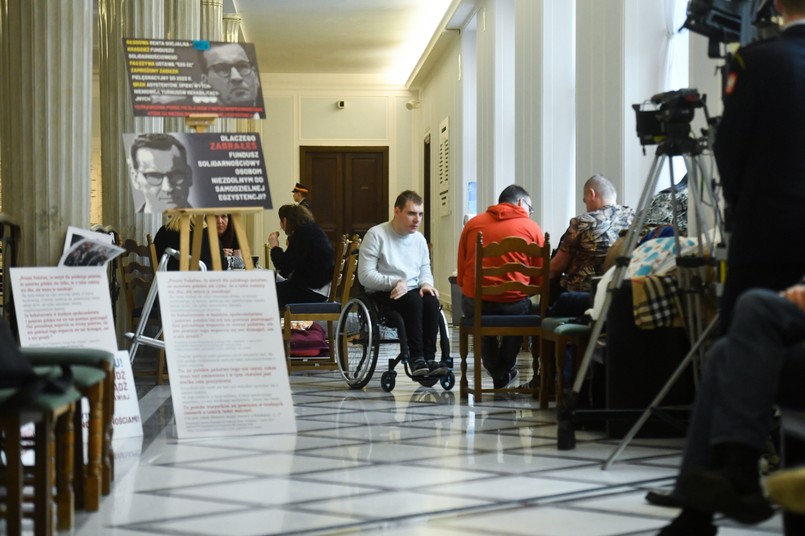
(229, 252)
(429, 289)
(399, 290)
(796, 295)
(274, 239)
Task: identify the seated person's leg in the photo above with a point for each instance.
(571, 304)
(733, 410)
(287, 293)
(510, 346)
(431, 318)
(490, 348)
(499, 358)
(410, 308)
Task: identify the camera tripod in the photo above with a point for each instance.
(693, 278)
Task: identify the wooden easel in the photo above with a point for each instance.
(201, 123)
(198, 216)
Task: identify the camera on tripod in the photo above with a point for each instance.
(667, 116)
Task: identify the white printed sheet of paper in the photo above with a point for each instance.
(70, 307)
(225, 353)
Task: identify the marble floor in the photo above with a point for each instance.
(416, 461)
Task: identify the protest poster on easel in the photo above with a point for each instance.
(70, 307)
(225, 354)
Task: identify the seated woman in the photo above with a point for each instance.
(229, 242)
(226, 236)
(168, 237)
(307, 263)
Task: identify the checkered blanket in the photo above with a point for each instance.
(656, 302)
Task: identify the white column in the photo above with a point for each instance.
(495, 95)
(622, 57)
(46, 87)
(119, 19)
(212, 13)
(182, 21)
(545, 101)
(212, 29)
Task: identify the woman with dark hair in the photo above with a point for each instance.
(307, 263)
(226, 235)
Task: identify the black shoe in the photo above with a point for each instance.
(437, 369)
(663, 498)
(690, 523)
(507, 380)
(419, 368)
(715, 491)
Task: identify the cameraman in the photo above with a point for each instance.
(760, 153)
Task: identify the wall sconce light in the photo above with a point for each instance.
(412, 104)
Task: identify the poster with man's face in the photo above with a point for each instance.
(188, 170)
(179, 78)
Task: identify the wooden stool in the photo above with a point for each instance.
(53, 459)
(560, 332)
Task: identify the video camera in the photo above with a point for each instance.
(667, 116)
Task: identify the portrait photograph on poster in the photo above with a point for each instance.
(196, 170)
(179, 78)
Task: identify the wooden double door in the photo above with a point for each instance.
(349, 187)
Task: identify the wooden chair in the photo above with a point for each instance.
(346, 255)
(54, 443)
(488, 265)
(136, 277)
(94, 377)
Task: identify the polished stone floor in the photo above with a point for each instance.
(415, 461)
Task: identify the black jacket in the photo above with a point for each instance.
(760, 149)
(308, 261)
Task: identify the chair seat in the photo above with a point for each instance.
(314, 308)
(562, 325)
(73, 356)
(573, 330)
(42, 402)
(499, 321)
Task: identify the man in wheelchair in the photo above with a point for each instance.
(394, 268)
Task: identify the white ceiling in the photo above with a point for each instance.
(339, 36)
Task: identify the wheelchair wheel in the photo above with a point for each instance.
(357, 342)
(388, 380)
(448, 381)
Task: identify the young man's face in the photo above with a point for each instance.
(230, 72)
(407, 219)
(164, 179)
(297, 197)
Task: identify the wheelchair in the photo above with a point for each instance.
(363, 331)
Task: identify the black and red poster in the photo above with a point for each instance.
(180, 78)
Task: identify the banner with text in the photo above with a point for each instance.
(180, 78)
(187, 170)
(225, 353)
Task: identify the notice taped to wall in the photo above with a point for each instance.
(225, 353)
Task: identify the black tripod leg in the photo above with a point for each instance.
(661, 395)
